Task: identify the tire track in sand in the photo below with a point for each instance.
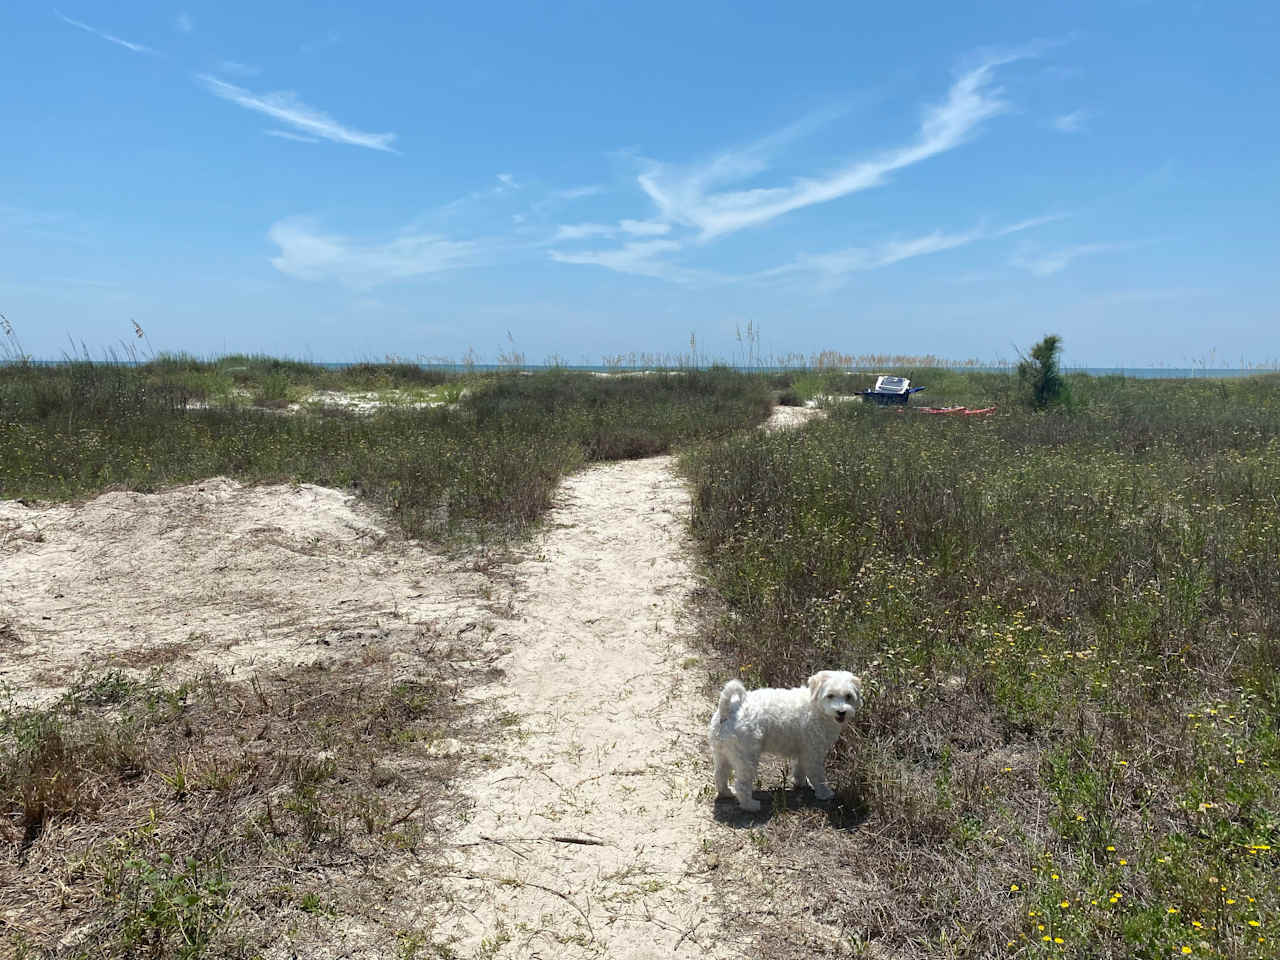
(607, 744)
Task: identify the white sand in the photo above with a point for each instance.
(214, 574)
(611, 745)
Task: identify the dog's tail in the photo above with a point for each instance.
(731, 696)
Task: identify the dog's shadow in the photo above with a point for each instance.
(844, 811)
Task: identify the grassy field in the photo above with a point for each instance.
(486, 459)
(1067, 622)
(1069, 625)
(212, 816)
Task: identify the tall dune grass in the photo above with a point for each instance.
(493, 459)
(1070, 625)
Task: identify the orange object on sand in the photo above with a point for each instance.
(962, 411)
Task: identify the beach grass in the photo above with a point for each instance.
(1067, 622)
(1069, 625)
(449, 453)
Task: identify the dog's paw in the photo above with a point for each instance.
(751, 804)
(823, 792)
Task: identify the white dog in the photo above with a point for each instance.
(800, 724)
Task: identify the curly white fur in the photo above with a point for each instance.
(799, 724)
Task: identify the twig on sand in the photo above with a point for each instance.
(686, 934)
(557, 838)
(585, 841)
(526, 883)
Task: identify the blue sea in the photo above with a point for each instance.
(1144, 373)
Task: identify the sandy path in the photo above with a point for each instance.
(610, 743)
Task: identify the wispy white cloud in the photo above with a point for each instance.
(286, 135)
(556, 198)
(896, 251)
(639, 257)
(634, 228)
(689, 196)
(1028, 224)
(835, 266)
(1073, 122)
(1047, 264)
(287, 108)
(583, 231)
(309, 253)
(183, 23)
(577, 193)
(644, 228)
(506, 184)
(127, 44)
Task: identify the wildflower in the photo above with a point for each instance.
(1057, 940)
(1065, 904)
(1014, 887)
(1254, 923)
(1173, 909)
(1111, 849)
(1123, 862)
(1185, 948)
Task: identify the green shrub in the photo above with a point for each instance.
(1042, 382)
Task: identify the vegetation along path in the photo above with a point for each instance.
(585, 840)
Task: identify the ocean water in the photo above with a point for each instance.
(1145, 373)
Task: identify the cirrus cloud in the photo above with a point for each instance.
(284, 105)
(308, 253)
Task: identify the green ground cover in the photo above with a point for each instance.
(491, 459)
(1070, 625)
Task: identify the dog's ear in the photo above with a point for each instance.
(816, 682)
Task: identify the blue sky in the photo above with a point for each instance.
(584, 179)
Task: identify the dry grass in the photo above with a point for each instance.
(217, 817)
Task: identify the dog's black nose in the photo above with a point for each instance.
(840, 715)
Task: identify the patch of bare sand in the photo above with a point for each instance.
(217, 574)
(586, 840)
(789, 418)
